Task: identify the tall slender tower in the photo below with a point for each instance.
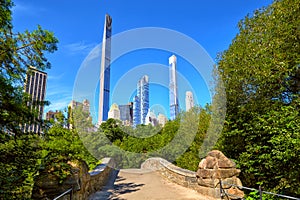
(189, 100)
(105, 71)
(141, 101)
(143, 87)
(35, 86)
(136, 111)
(174, 105)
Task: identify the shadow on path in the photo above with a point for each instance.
(116, 186)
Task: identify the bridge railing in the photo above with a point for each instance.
(69, 191)
(225, 194)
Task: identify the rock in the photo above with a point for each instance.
(216, 154)
(225, 162)
(235, 193)
(202, 164)
(212, 192)
(211, 162)
(226, 183)
(212, 183)
(227, 173)
(205, 173)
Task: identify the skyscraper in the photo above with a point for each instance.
(136, 111)
(174, 105)
(35, 86)
(141, 101)
(105, 71)
(189, 100)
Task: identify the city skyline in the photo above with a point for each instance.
(212, 24)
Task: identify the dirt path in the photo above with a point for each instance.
(137, 184)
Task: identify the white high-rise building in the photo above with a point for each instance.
(162, 119)
(114, 112)
(189, 100)
(174, 104)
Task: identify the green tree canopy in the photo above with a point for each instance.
(19, 151)
(261, 75)
(18, 51)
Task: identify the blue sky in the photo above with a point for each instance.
(79, 24)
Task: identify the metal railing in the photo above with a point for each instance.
(224, 193)
(65, 193)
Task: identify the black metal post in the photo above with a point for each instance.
(260, 193)
(221, 195)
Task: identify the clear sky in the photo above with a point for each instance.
(78, 25)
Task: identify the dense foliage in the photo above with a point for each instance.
(178, 141)
(261, 74)
(23, 154)
(19, 150)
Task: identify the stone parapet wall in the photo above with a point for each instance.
(176, 174)
(214, 168)
(84, 183)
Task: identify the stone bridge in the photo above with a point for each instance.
(156, 179)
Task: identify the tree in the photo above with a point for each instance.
(261, 74)
(19, 150)
(59, 146)
(190, 159)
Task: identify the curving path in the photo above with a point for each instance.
(142, 184)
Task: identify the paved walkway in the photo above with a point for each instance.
(137, 184)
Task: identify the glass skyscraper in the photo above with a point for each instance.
(174, 105)
(136, 111)
(105, 71)
(141, 101)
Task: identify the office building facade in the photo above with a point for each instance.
(35, 86)
(105, 71)
(173, 92)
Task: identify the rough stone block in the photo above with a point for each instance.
(216, 154)
(211, 163)
(236, 193)
(206, 173)
(225, 162)
(212, 192)
(226, 183)
(208, 182)
(202, 164)
(226, 173)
